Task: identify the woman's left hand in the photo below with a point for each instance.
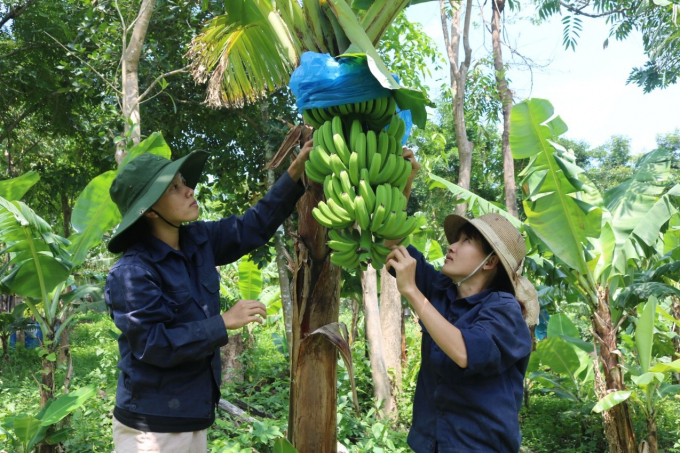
(297, 167)
(405, 267)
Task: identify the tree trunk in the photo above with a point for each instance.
(232, 368)
(390, 323)
(675, 312)
(505, 95)
(312, 420)
(458, 72)
(130, 76)
(652, 433)
(618, 425)
(66, 211)
(381, 381)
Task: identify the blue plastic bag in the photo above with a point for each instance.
(322, 81)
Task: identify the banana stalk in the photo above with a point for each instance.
(320, 27)
(379, 16)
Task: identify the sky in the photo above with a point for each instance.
(587, 87)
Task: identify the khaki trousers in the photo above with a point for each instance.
(130, 440)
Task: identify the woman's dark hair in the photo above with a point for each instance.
(501, 282)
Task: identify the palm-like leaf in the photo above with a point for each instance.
(250, 51)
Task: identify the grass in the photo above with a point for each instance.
(549, 424)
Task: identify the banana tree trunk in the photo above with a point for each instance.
(618, 425)
(458, 72)
(505, 95)
(312, 421)
(390, 323)
(381, 382)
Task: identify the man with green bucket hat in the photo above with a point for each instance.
(163, 294)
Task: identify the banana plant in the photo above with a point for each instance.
(593, 238)
(252, 50)
(566, 355)
(649, 383)
(25, 432)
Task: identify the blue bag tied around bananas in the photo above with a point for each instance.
(363, 175)
(321, 83)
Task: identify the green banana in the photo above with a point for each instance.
(380, 248)
(343, 246)
(339, 211)
(366, 191)
(387, 169)
(307, 118)
(327, 137)
(336, 124)
(383, 144)
(361, 212)
(337, 186)
(346, 182)
(398, 199)
(397, 170)
(379, 106)
(322, 219)
(371, 145)
(401, 130)
(378, 216)
(321, 160)
(394, 125)
(348, 204)
(402, 229)
(330, 215)
(392, 147)
(328, 186)
(354, 132)
(402, 179)
(344, 109)
(388, 199)
(341, 147)
(365, 246)
(360, 149)
(374, 169)
(344, 235)
(393, 225)
(337, 165)
(313, 173)
(347, 260)
(353, 168)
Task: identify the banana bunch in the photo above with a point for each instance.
(377, 113)
(363, 176)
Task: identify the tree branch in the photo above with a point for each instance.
(158, 79)
(15, 12)
(580, 12)
(70, 52)
(18, 50)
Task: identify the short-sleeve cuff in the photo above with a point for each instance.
(479, 347)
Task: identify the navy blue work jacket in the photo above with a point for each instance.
(166, 304)
(475, 409)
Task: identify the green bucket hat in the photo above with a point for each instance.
(142, 182)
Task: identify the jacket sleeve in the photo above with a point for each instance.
(426, 274)
(151, 320)
(236, 236)
(496, 340)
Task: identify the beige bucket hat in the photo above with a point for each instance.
(509, 246)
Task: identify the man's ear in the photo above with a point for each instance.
(492, 262)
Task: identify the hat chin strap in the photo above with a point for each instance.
(164, 220)
(476, 269)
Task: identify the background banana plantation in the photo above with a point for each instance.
(85, 86)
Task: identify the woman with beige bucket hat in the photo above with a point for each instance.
(476, 342)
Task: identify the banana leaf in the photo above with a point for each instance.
(36, 272)
(612, 400)
(644, 333)
(476, 204)
(249, 280)
(551, 184)
(16, 188)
